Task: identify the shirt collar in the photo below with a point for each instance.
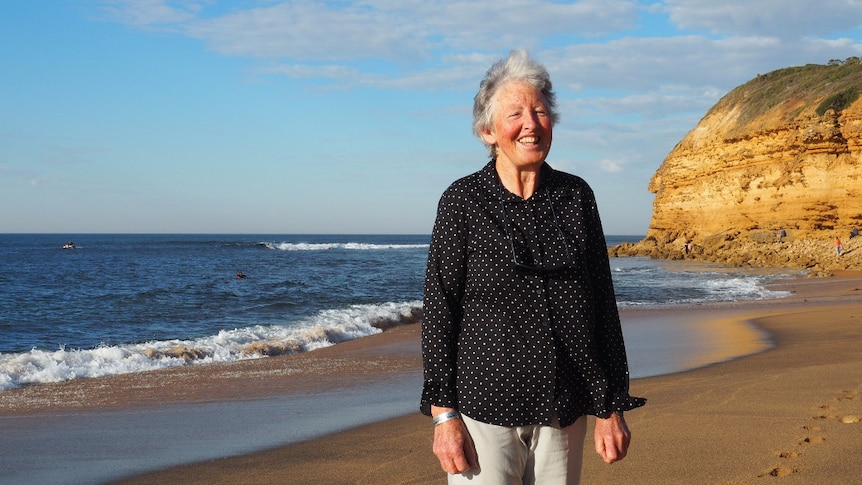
(492, 180)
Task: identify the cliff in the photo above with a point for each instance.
(782, 151)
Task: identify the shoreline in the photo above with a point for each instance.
(688, 439)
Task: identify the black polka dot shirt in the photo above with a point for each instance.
(509, 345)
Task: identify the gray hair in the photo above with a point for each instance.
(517, 67)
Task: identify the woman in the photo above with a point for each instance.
(521, 337)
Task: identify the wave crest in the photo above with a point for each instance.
(326, 328)
(286, 246)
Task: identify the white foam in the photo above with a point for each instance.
(646, 282)
(321, 330)
(285, 246)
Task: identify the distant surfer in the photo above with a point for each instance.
(240, 275)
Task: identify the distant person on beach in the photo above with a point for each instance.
(838, 247)
(521, 337)
(853, 232)
(781, 235)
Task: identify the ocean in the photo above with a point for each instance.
(133, 302)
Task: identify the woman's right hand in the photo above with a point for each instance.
(453, 445)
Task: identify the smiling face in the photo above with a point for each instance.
(521, 126)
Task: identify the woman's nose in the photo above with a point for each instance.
(531, 120)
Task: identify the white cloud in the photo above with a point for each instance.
(611, 166)
(407, 31)
(670, 100)
(486, 25)
(316, 72)
(436, 44)
(779, 18)
(13, 176)
(150, 12)
(640, 64)
(312, 31)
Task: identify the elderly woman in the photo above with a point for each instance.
(521, 338)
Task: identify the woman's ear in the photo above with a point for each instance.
(488, 137)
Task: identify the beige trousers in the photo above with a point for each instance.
(525, 455)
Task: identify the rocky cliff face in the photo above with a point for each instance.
(783, 151)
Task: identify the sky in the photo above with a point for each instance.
(313, 116)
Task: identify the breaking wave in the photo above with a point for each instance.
(326, 328)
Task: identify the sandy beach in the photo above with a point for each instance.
(786, 415)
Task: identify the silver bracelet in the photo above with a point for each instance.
(442, 418)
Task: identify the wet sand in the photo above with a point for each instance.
(786, 415)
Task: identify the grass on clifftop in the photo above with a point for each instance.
(833, 86)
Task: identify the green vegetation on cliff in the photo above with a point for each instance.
(833, 86)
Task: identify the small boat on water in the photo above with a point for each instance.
(69, 245)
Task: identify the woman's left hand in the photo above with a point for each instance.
(612, 438)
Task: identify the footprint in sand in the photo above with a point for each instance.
(782, 471)
(814, 440)
(824, 414)
(785, 469)
(789, 455)
(848, 395)
(814, 436)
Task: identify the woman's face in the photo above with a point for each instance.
(521, 126)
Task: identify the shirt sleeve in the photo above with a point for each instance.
(442, 310)
(608, 330)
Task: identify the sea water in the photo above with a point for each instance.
(132, 302)
(124, 303)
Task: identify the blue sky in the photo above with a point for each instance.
(281, 117)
